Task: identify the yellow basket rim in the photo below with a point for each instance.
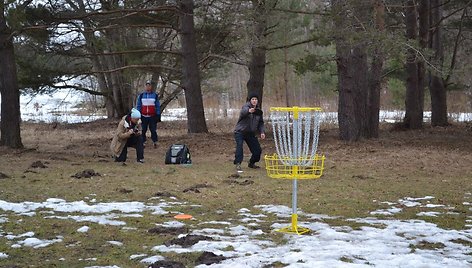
(277, 170)
(276, 156)
(295, 109)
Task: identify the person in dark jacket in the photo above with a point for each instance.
(250, 123)
(150, 108)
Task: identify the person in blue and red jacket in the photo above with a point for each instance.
(150, 108)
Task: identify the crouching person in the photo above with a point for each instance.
(128, 134)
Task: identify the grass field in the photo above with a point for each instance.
(423, 175)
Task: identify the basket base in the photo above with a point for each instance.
(294, 228)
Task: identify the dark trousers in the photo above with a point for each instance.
(135, 141)
(150, 122)
(253, 144)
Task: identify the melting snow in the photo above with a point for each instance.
(379, 242)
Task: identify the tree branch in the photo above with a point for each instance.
(456, 47)
(301, 11)
(78, 15)
(134, 66)
(178, 53)
(463, 9)
(223, 58)
(423, 57)
(293, 44)
(80, 88)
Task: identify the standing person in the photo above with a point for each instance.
(249, 123)
(150, 108)
(128, 134)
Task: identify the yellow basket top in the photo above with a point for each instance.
(295, 109)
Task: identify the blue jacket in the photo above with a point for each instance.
(148, 104)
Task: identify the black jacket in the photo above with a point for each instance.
(250, 123)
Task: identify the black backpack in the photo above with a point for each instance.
(178, 154)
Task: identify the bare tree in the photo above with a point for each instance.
(414, 92)
(437, 87)
(257, 62)
(190, 72)
(376, 73)
(352, 65)
(119, 84)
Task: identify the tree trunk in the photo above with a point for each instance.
(97, 63)
(375, 74)
(190, 73)
(360, 69)
(119, 86)
(423, 20)
(117, 83)
(255, 84)
(346, 119)
(437, 88)
(351, 60)
(10, 107)
(352, 85)
(414, 100)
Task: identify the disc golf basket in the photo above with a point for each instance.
(296, 132)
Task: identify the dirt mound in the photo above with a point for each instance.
(196, 188)
(168, 230)
(166, 264)
(209, 258)
(188, 241)
(38, 164)
(244, 182)
(87, 173)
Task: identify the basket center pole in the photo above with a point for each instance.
(296, 156)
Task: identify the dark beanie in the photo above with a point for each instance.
(253, 95)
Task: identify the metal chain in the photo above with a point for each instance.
(288, 133)
(306, 140)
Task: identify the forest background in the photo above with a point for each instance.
(354, 57)
(351, 57)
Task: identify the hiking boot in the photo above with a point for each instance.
(155, 145)
(253, 165)
(119, 161)
(239, 169)
(141, 161)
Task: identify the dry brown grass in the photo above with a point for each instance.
(398, 164)
(358, 176)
